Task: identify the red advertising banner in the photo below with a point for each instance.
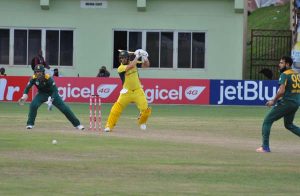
(78, 89)
(11, 88)
(176, 91)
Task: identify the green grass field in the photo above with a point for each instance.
(186, 150)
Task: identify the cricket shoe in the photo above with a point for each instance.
(107, 129)
(80, 127)
(143, 127)
(29, 127)
(263, 149)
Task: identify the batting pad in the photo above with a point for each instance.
(144, 116)
(114, 115)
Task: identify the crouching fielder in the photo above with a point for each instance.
(47, 91)
(132, 91)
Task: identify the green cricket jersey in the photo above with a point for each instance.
(47, 86)
(291, 79)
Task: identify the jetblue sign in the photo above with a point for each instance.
(242, 92)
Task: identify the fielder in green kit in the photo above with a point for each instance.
(47, 92)
(287, 102)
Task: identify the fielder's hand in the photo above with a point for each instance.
(22, 100)
(49, 103)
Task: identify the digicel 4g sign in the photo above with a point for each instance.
(176, 91)
(78, 89)
(157, 91)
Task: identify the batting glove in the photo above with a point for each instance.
(138, 53)
(144, 58)
(49, 103)
(145, 54)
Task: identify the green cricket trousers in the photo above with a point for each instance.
(285, 109)
(40, 98)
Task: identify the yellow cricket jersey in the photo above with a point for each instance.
(130, 79)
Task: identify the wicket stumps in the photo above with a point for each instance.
(95, 113)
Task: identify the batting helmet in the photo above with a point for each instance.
(124, 54)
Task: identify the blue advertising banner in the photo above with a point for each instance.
(242, 92)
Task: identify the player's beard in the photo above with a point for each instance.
(283, 69)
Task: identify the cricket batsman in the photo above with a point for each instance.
(132, 91)
(47, 92)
